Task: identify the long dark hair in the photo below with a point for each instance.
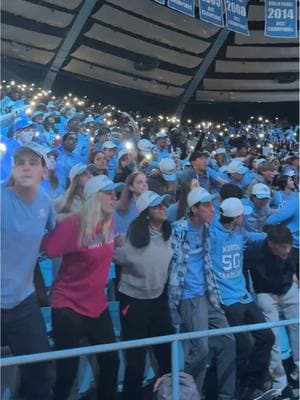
(282, 182)
(139, 232)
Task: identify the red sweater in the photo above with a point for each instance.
(82, 277)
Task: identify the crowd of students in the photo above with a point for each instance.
(201, 222)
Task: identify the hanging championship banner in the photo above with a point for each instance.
(160, 1)
(211, 11)
(236, 16)
(281, 18)
(184, 6)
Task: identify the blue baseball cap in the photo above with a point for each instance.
(22, 123)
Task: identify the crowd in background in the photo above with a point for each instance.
(201, 221)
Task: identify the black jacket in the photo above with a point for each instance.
(270, 274)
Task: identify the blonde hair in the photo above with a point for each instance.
(91, 217)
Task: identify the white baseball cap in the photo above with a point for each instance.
(145, 145)
(109, 144)
(100, 183)
(149, 199)
(167, 167)
(259, 161)
(233, 207)
(76, 170)
(236, 167)
(199, 195)
(122, 153)
(221, 150)
(89, 120)
(261, 191)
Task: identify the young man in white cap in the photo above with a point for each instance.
(26, 213)
(228, 239)
(240, 175)
(164, 180)
(260, 204)
(109, 149)
(193, 295)
(220, 157)
(162, 144)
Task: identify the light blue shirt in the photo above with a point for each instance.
(112, 167)
(194, 284)
(22, 228)
(288, 215)
(280, 198)
(162, 153)
(172, 212)
(83, 146)
(123, 220)
(65, 161)
(53, 193)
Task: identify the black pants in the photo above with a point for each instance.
(68, 330)
(253, 348)
(142, 319)
(23, 330)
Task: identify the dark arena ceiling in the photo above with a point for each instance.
(140, 52)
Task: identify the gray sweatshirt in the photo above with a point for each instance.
(144, 271)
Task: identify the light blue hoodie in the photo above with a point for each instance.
(227, 248)
(288, 215)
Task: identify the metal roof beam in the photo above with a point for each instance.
(68, 43)
(193, 85)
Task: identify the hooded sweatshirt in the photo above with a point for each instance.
(227, 247)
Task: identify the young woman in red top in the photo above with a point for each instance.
(85, 241)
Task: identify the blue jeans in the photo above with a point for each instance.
(23, 330)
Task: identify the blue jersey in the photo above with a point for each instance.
(227, 249)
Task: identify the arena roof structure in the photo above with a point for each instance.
(149, 50)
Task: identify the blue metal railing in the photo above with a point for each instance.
(174, 339)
